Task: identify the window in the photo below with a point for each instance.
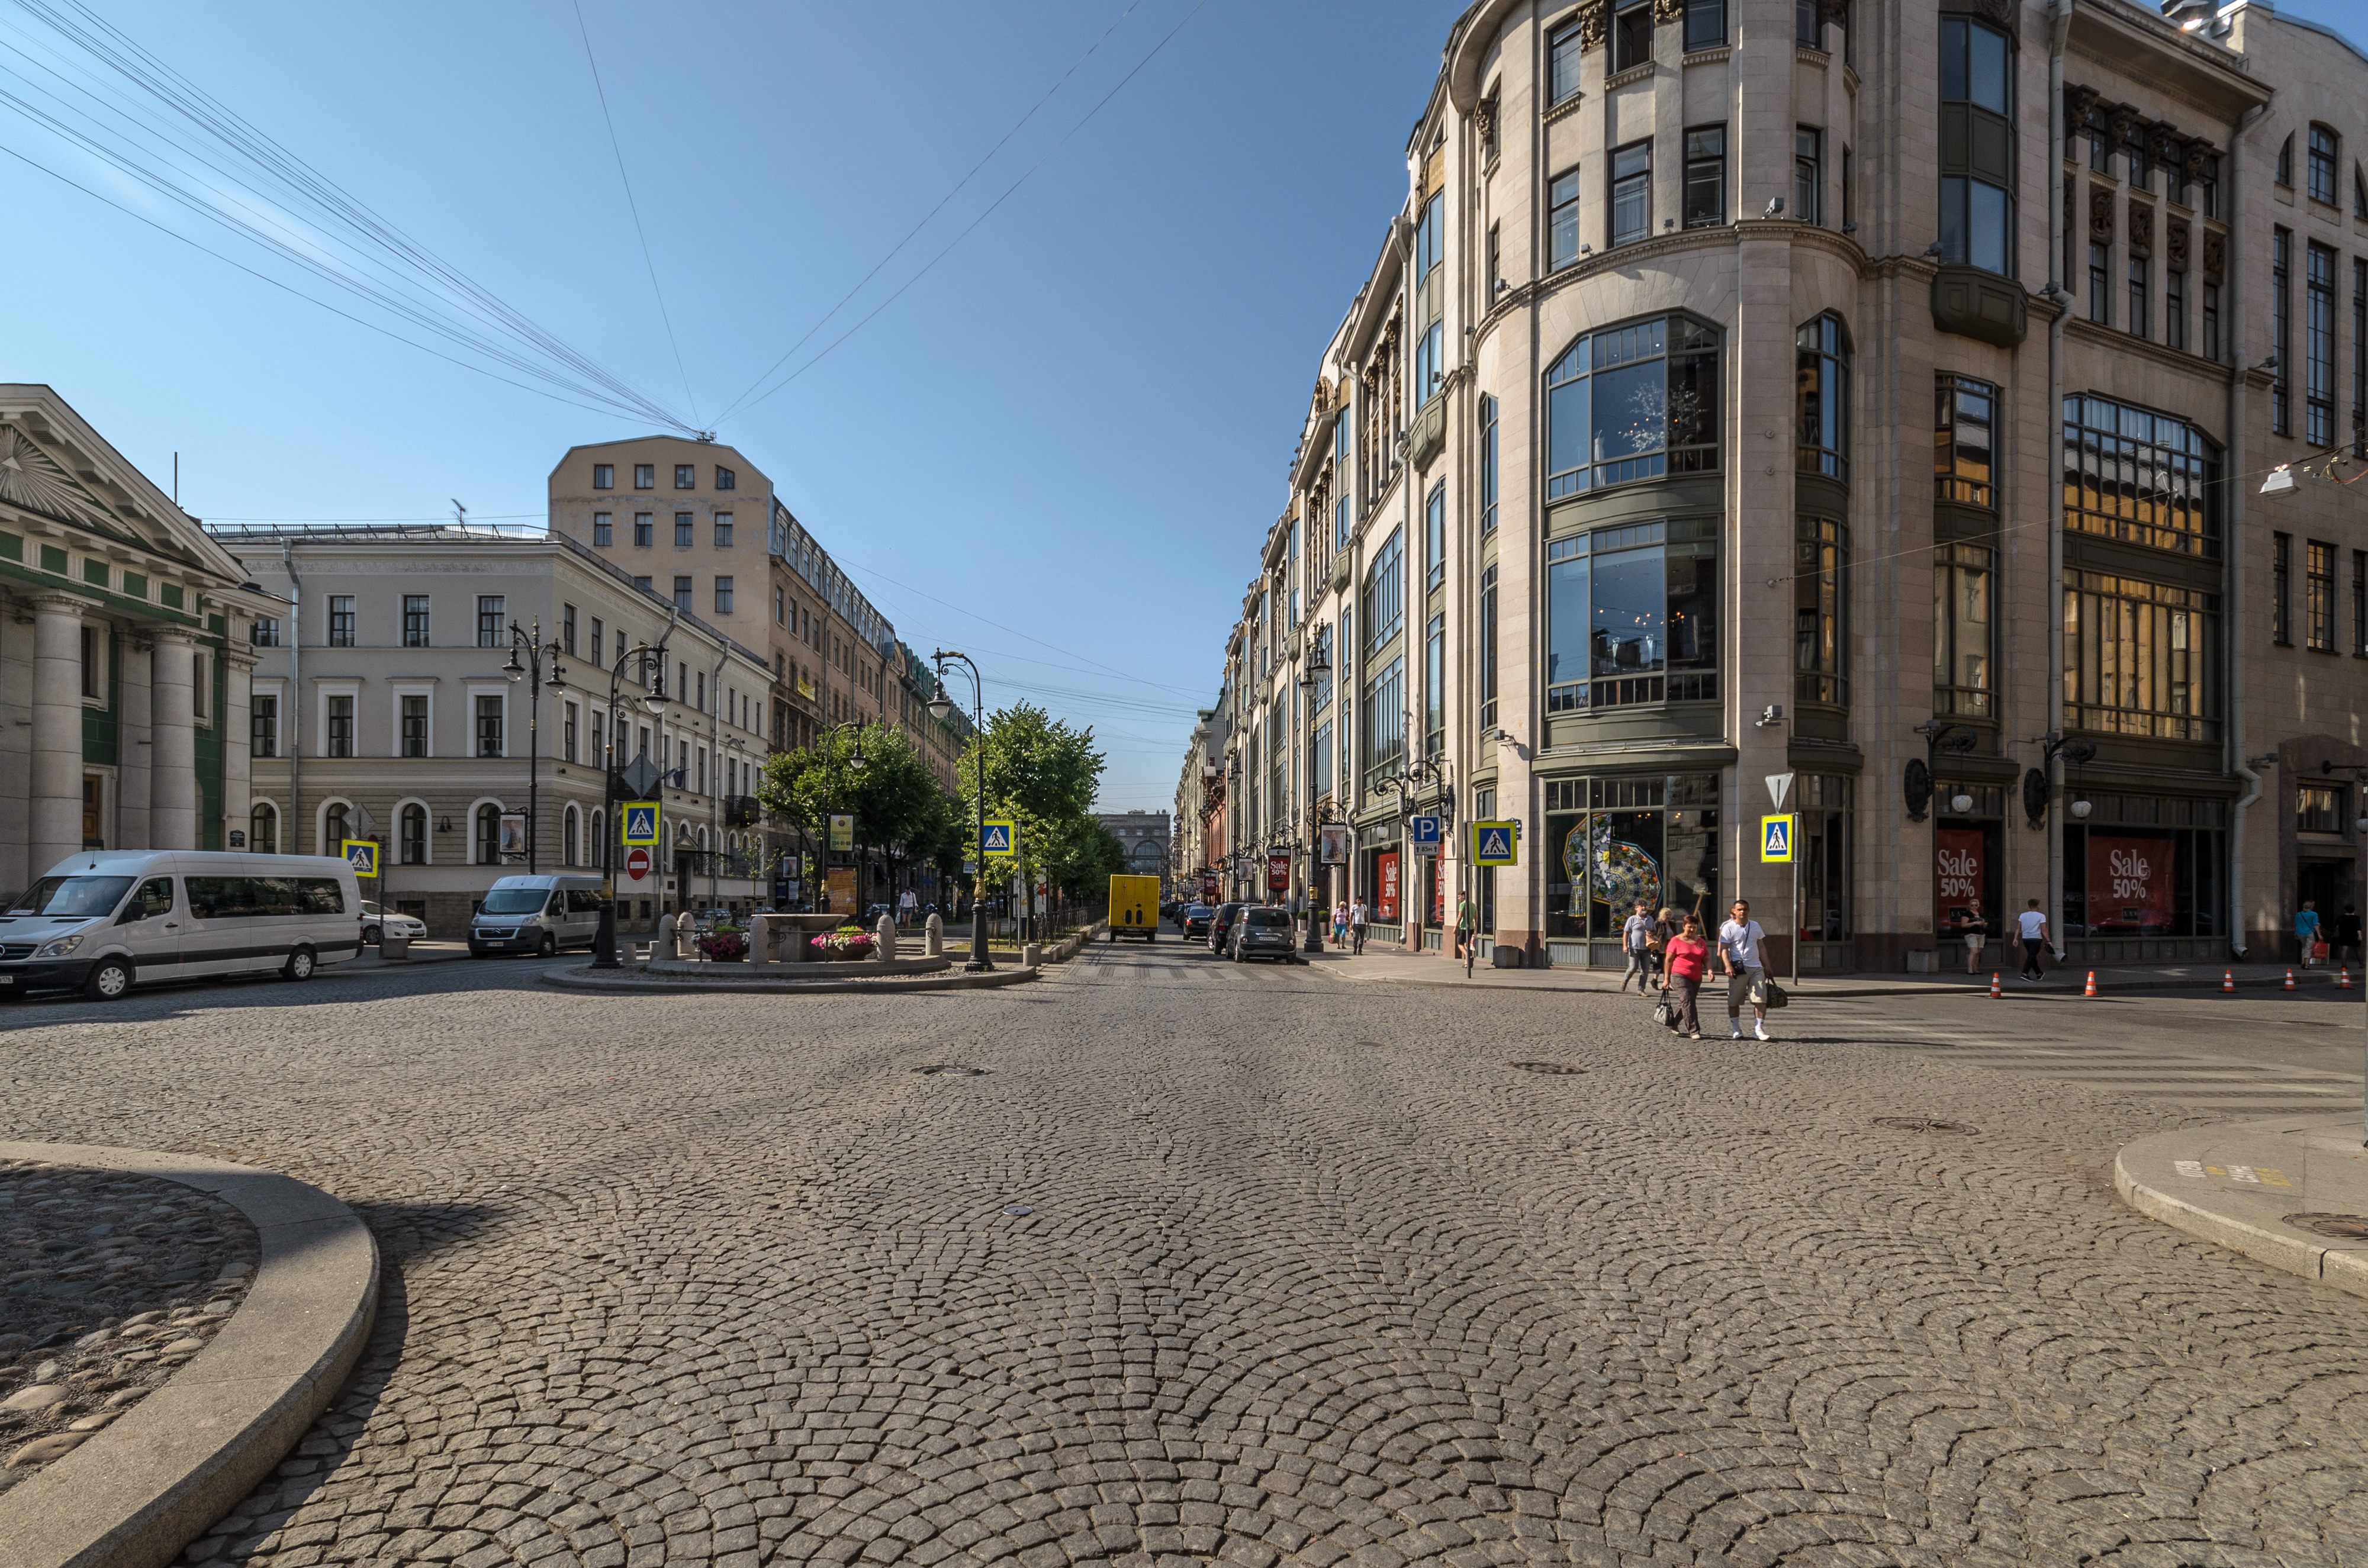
(684, 528)
(1808, 176)
(341, 726)
(201, 684)
(780, 615)
(2285, 160)
(489, 835)
(94, 667)
(686, 476)
(1821, 360)
(2174, 308)
(1632, 192)
(1488, 463)
(1850, 191)
(567, 734)
(2130, 473)
(645, 476)
(411, 835)
(682, 593)
(2210, 180)
(2282, 589)
(1962, 580)
(263, 726)
(2324, 156)
(2360, 603)
(2101, 151)
(1434, 536)
(724, 595)
(1384, 596)
(493, 616)
(1705, 175)
(1820, 569)
(2282, 330)
(2140, 277)
(1430, 300)
(263, 830)
(2318, 808)
(2318, 345)
(567, 629)
(1631, 616)
(1562, 55)
(2101, 279)
(2141, 658)
(2318, 596)
(1978, 146)
(722, 530)
(604, 476)
(335, 828)
(1384, 722)
(1633, 401)
(1488, 648)
(644, 527)
(415, 725)
(1631, 34)
(1705, 24)
(1434, 685)
(604, 528)
(1962, 440)
(2360, 358)
(264, 633)
(2211, 321)
(1806, 31)
(726, 479)
(599, 646)
(489, 726)
(341, 621)
(1562, 220)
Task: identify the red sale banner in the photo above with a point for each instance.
(2129, 881)
(1957, 876)
(1385, 872)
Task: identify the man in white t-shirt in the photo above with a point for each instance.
(1747, 970)
(2032, 927)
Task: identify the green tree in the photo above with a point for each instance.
(898, 805)
(1040, 773)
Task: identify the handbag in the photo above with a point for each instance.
(1665, 1013)
(1777, 996)
(2318, 949)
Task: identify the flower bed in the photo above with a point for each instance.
(848, 942)
(724, 946)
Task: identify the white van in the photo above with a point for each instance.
(537, 914)
(107, 919)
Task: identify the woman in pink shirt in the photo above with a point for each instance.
(1686, 959)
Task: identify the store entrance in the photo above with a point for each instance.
(2328, 884)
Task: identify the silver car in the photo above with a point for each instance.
(1265, 933)
(378, 922)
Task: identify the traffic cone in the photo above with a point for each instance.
(2090, 989)
(2228, 980)
(2343, 978)
(2290, 985)
(1995, 990)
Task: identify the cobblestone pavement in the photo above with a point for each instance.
(1218, 1264)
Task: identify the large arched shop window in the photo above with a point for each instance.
(262, 829)
(1635, 400)
(1822, 383)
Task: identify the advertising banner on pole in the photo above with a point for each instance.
(1332, 843)
(1277, 873)
(1386, 891)
(842, 830)
(513, 834)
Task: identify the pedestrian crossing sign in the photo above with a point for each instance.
(1496, 843)
(362, 854)
(999, 838)
(642, 821)
(1776, 836)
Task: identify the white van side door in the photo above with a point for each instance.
(151, 926)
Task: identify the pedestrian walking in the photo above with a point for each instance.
(1356, 926)
(1636, 941)
(911, 908)
(2347, 935)
(1685, 958)
(1467, 924)
(1976, 930)
(2306, 927)
(1341, 923)
(2032, 925)
(1740, 943)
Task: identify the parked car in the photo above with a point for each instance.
(1221, 926)
(378, 922)
(1265, 933)
(1195, 919)
(536, 915)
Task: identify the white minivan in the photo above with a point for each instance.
(105, 920)
(537, 914)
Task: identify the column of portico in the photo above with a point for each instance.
(134, 763)
(56, 814)
(238, 733)
(173, 783)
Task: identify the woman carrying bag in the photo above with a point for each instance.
(1685, 960)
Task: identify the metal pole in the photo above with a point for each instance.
(533, 756)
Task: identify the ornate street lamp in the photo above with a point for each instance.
(941, 708)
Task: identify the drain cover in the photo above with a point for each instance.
(1020, 1209)
(1921, 1124)
(2347, 1225)
(955, 1068)
(1552, 1069)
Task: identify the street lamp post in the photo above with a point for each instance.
(537, 651)
(649, 666)
(941, 708)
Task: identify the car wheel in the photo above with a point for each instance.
(108, 980)
(370, 935)
(548, 946)
(299, 965)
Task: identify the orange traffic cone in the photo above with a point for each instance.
(2092, 988)
(1995, 989)
(2228, 980)
(2290, 985)
(2343, 978)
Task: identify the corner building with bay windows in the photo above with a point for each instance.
(1871, 392)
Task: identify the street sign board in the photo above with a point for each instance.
(1422, 831)
(637, 862)
(1332, 843)
(1495, 844)
(1002, 838)
(362, 854)
(1779, 786)
(1277, 873)
(513, 832)
(1776, 836)
(842, 830)
(642, 821)
(641, 776)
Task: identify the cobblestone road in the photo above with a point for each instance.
(1224, 1264)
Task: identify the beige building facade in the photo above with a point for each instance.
(1875, 398)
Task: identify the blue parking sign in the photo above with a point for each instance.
(1423, 831)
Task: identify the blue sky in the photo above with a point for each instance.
(1072, 429)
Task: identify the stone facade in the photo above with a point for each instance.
(1871, 397)
(1146, 835)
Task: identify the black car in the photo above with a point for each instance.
(1220, 925)
(1265, 933)
(1194, 919)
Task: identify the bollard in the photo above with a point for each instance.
(760, 940)
(1995, 990)
(2228, 980)
(2092, 988)
(1030, 956)
(933, 936)
(884, 939)
(2290, 985)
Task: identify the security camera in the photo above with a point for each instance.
(1771, 714)
(1775, 208)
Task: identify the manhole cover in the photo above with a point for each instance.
(1552, 1069)
(2347, 1225)
(1021, 1211)
(955, 1068)
(1921, 1124)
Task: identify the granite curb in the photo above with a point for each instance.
(583, 978)
(2244, 1184)
(136, 1493)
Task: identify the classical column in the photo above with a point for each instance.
(237, 734)
(173, 786)
(135, 761)
(56, 816)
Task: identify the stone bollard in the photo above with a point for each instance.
(678, 935)
(884, 939)
(760, 940)
(933, 936)
(1032, 956)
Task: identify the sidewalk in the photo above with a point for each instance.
(2290, 1192)
(1393, 966)
(370, 962)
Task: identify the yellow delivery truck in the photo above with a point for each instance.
(1134, 907)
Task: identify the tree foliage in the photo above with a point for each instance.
(896, 801)
(1043, 775)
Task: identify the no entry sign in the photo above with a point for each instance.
(637, 863)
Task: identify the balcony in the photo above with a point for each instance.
(1978, 305)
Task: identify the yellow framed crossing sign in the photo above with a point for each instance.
(362, 854)
(640, 823)
(1776, 836)
(1496, 843)
(1001, 838)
